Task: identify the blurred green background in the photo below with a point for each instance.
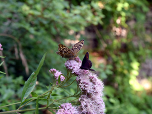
(117, 34)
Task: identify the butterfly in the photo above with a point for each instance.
(65, 52)
(86, 63)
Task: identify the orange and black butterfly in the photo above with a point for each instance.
(86, 63)
(66, 52)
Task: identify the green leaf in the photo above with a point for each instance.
(2, 72)
(1, 63)
(2, 57)
(31, 82)
(29, 86)
(34, 94)
(54, 94)
(40, 64)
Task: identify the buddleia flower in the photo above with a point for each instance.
(57, 74)
(91, 101)
(67, 108)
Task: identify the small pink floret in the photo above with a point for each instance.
(1, 47)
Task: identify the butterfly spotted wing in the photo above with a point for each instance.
(76, 48)
(70, 53)
(86, 63)
(65, 51)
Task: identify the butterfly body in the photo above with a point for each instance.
(65, 52)
(86, 63)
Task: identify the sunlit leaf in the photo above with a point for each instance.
(1, 63)
(2, 72)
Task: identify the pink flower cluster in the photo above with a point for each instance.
(74, 66)
(57, 74)
(91, 101)
(91, 98)
(67, 108)
(1, 47)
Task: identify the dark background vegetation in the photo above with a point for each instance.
(117, 34)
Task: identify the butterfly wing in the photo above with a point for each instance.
(65, 51)
(86, 63)
(76, 48)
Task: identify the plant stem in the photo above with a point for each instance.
(67, 85)
(49, 96)
(14, 111)
(36, 98)
(10, 104)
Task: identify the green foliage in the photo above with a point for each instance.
(37, 25)
(10, 92)
(125, 57)
(47, 98)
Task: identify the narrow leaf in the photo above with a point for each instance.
(29, 86)
(2, 72)
(40, 64)
(31, 82)
(1, 63)
(2, 57)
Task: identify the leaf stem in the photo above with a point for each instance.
(36, 98)
(14, 111)
(10, 104)
(68, 85)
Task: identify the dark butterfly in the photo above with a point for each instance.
(86, 63)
